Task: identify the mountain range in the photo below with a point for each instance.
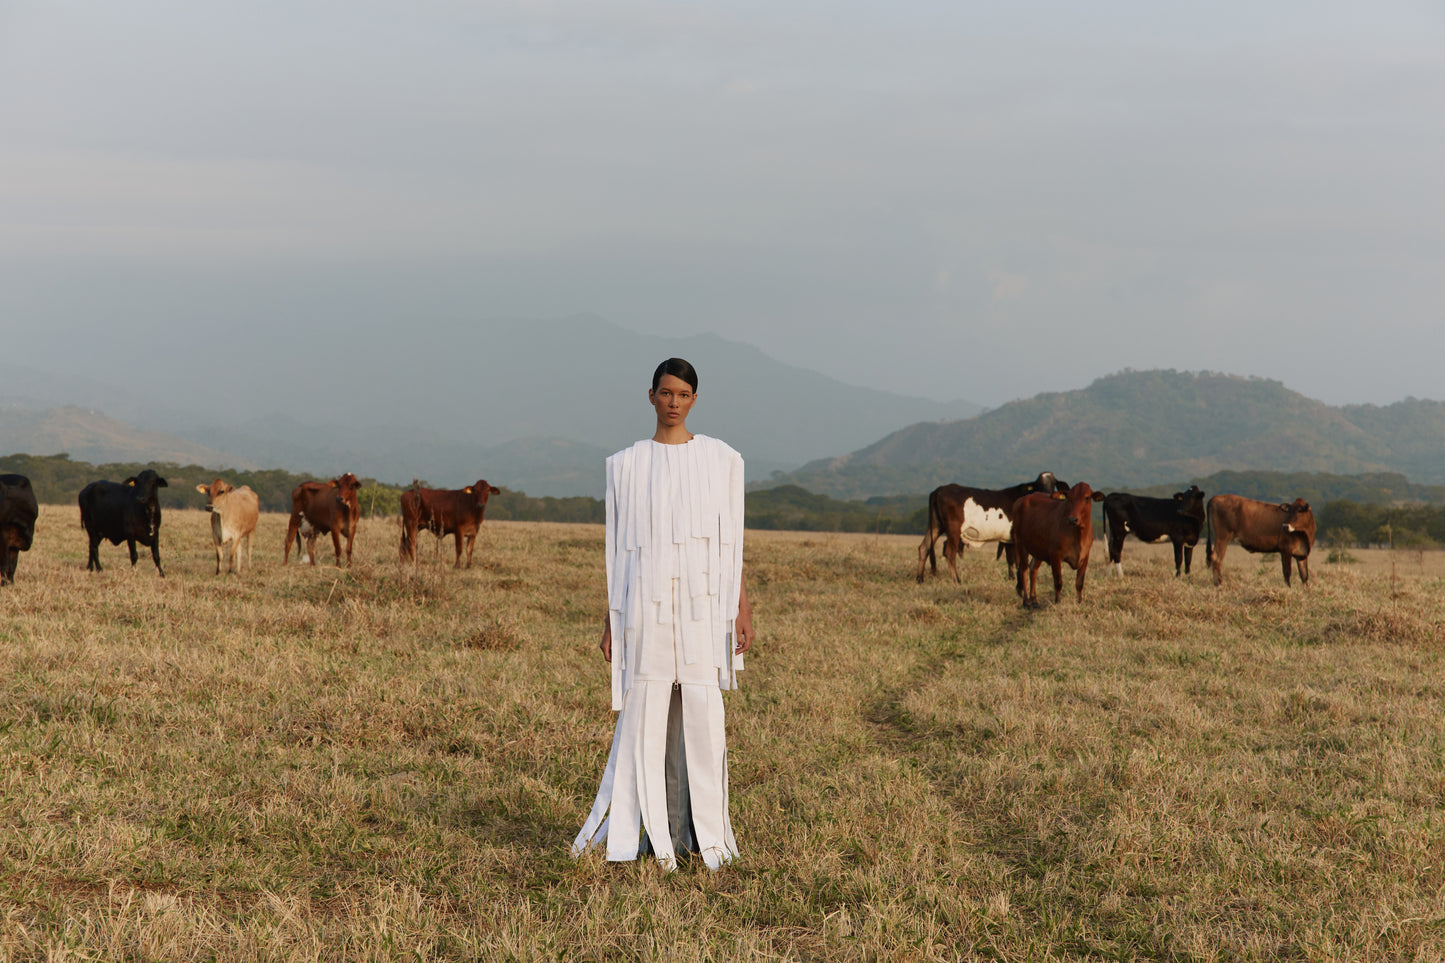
(532, 405)
(1136, 429)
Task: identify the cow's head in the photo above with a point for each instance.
(1081, 500)
(1299, 527)
(1190, 502)
(145, 485)
(346, 486)
(214, 491)
(482, 491)
(1047, 483)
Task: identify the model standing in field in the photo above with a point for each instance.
(677, 607)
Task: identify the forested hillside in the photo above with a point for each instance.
(1140, 428)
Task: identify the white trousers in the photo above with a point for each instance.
(666, 774)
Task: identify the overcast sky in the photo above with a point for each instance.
(955, 200)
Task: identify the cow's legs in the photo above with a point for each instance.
(350, 538)
(1216, 559)
(92, 563)
(1079, 577)
(1002, 552)
(156, 554)
(8, 557)
(1304, 570)
(924, 554)
(293, 529)
(1288, 562)
(311, 548)
(1188, 558)
(130, 543)
(457, 537)
(1056, 566)
(952, 547)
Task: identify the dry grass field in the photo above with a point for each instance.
(389, 763)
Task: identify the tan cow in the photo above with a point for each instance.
(233, 520)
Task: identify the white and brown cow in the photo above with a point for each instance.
(234, 512)
(974, 516)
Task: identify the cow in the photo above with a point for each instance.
(18, 510)
(233, 520)
(319, 508)
(1287, 528)
(974, 516)
(444, 513)
(1056, 528)
(1178, 519)
(128, 511)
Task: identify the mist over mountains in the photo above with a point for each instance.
(533, 405)
(1142, 428)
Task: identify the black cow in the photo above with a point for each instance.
(1179, 519)
(17, 522)
(127, 512)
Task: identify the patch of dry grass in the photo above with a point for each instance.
(389, 762)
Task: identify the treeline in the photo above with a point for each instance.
(57, 480)
(1350, 510)
(1346, 524)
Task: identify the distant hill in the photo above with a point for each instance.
(93, 437)
(1143, 428)
(528, 404)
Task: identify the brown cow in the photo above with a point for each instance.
(324, 507)
(444, 513)
(1287, 528)
(1059, 528)
(233, 520)
(974, 516)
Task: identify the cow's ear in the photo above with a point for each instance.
(1060, 497)
(333, 484)
(495, 490)
(204, 489)
(130, 482)
(469, 490)
(1286, 506)
(1098, 496)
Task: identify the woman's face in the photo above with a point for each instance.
(673, 399)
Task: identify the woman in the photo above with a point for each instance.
(676, 601)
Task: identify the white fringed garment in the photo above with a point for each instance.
(674, 574)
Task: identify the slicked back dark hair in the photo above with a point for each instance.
(678, 368)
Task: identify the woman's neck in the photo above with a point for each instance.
(672, 435)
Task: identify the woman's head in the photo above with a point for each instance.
(678, 368)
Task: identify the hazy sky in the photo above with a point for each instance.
(946, 199)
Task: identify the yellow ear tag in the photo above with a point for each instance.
(470, 492)
(1060, 496)
(130, 482)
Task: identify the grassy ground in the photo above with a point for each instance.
(389, 763)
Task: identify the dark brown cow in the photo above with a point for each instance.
(318, 508)
(18, 511)
(456, 512)
(973, 516)
(1058, 528)
(1287, 528)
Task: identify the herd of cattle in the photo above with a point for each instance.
(130, 512)
(1049, 520)
(1044, 520)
